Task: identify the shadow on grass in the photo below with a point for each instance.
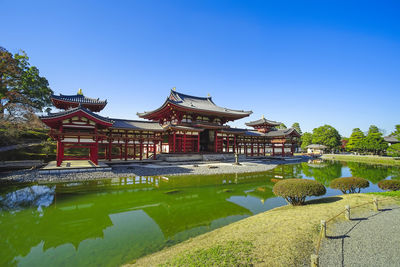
(323, 200)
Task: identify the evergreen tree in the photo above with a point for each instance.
(281, 126)
(296, 126)
(374, 142)
(356, 141)
(396, 133)
(22, 89)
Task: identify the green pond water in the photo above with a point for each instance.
(113, 221)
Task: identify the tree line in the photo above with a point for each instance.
(371, 142)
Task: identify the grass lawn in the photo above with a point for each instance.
(284, 236)
(388, 194)
(364, 159)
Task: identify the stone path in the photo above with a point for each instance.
(369, 240)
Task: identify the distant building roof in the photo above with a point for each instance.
(391, 139)
(263, 121)
(201, 105)
(316, 146)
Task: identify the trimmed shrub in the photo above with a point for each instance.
(391, 185)
(349, 184)
(295, 191)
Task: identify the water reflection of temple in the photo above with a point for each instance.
(82, 211)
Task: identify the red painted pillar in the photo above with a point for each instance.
(174, 148)
(134, 149)
(126, 145)
(120, 151)
(245, 148)
(283, 149)
(198, 142)
(58, 158)
(109, 147)
(61, 152)
(184, 142)
(141, 150)
(273, 149)
(252, 148)
(227, 144)
(234, 144)
(95, 154)
(215, 141)
(154, 150)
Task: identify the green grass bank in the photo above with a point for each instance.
(284, 236)
(363, 159)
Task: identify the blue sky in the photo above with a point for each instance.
(312, 62)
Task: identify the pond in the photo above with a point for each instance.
(113, 221)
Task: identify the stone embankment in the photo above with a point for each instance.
(149, 169)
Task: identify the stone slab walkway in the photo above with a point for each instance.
(372, 239)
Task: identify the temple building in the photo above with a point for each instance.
(182, 124)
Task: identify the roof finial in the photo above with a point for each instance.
(173, 88)
(262, 117)
(80, 92)
(208, 95)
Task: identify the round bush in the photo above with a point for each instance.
(295, 191)
(349, 184)
(391, 185)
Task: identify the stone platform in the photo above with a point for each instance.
(73, 166)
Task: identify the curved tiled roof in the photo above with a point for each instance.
(73, 110)
(137, 125)
(80, 99)
(198, 104)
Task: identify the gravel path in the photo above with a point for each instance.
(372, 239)
(136, 169)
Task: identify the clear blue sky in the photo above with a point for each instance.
(312, 62)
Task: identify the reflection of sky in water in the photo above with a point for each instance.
(33, 196)
(256, 205)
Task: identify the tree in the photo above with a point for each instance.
(396, 133)
(356, 141)
(374, 142)
(296, 126)
(326, 135)
(21, 86)
(343, 145)
(373, 129)
(394, 150)
(306, 139)
(281, 126)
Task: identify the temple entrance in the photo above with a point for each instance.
(207, 140)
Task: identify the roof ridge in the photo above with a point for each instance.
(192, 96)
(134, 120)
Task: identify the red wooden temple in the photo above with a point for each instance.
(182, 124)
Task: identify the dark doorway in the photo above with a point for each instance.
(207, 140)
